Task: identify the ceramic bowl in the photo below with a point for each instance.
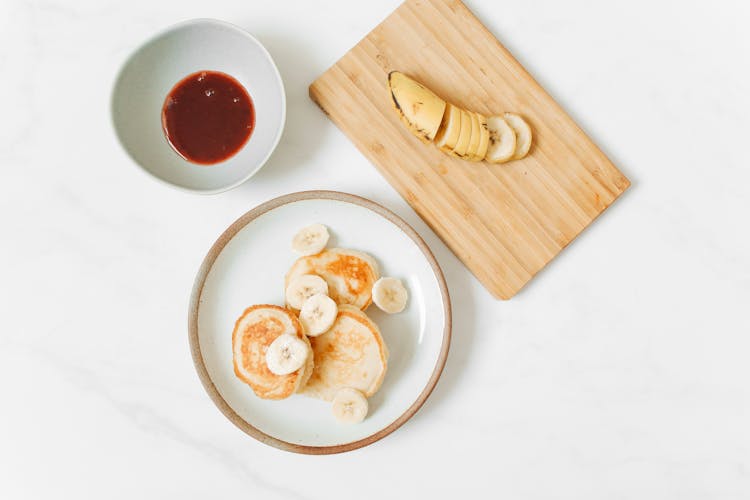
(154, 68)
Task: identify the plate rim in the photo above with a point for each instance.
(197, 291)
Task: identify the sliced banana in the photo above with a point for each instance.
(390, 295)
(502, 140)
(460, 130)
(287, 354)
(310, 240)
(302, 288)
(484, 138)
(463, 139)
(450, 128)
(523, 134)
(476, 135)
(349, 406)
(318, 314)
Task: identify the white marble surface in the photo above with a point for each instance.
(621, 372)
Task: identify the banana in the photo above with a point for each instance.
(484, 138)
(460, 131)
(463, 139)
(318, 314)
(471, 153)
(302, 288)
(349, 406)
(389, 295)
(447, 137)
(287, 354)
(418, 107)
(502, 140)
(523, 134)
(456, 131)
(310, 240)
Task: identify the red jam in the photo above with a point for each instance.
(208, 117)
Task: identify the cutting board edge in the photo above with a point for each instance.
(626, 185)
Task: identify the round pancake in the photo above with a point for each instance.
(351, 354)
(253, 332)
(350, 274)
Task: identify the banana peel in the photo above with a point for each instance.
(419, 108)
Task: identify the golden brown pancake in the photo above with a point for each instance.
(351, 354)
(253, 332)
(350, 274)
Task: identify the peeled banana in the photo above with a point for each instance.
(456, 131)
(302, 288)
(502, 144)
(390, 295)
(349, 406)
(450, 128)
(318, 314)
(523, 134)
(286, 354)
(484, 138)
(310, 240)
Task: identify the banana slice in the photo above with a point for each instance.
(318, 314)
(471, 153)
(390, 295)
(461, 125)
(419, 108)
(287, 354)
(349, 406)
(484, 137)
(523, 134)
(463, 140)
(310, 240)
(502, 143)
(302, 288)
(447, 135)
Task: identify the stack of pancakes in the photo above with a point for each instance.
(350, 354)
(253, 333)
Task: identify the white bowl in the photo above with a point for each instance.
(151, 72)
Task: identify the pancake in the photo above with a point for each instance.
(351, 354)
(253, 332)
(350, 274)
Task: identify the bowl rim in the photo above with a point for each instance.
(175, 27)
(195, 300)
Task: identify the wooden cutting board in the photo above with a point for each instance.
(505, 222)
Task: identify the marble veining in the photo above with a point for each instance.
(619, 372)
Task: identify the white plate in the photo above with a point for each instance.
(247, 266)
(150, 73)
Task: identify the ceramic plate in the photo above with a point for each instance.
(247, 265)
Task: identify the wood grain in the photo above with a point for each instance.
(505, 222)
